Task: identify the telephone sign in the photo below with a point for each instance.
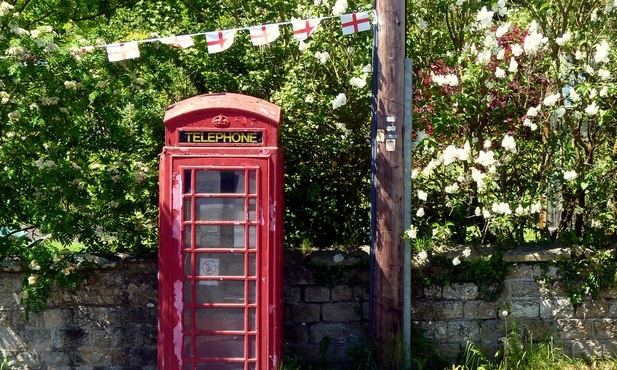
(220, 248)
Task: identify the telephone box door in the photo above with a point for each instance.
(225, 264)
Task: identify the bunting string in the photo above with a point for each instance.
(218, 41)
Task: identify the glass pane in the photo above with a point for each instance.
(187, 209)
(187, 181)
(219, 236)
(220, 264)
(252, 236)
(218, 182)
(220, 209)
(187, 236)
(188, 271)
(252, 292)
(252, 319)
(188, 297)
(226, 291)
(219, 346)
(252, 351)
(252, 264)
(252, 209)
(187, 320)
(188, 352)
(253, 182)
(220, 366)
(219, 318)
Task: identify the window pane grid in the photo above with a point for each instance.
(233, 185)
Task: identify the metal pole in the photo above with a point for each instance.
(407, 129)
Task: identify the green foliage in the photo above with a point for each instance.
(514, 108)
(80, 136)
(520, 351)
(586, 275)
(47, 268)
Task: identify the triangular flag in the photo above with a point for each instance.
(355, 22)
(262, 35)
(182, 42)
(219, 40)
(304, 28)
(118, 52)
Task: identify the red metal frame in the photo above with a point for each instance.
(226, 133)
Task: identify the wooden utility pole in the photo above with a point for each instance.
(388, 170)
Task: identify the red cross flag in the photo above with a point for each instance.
(181, 42)
(123, 51)
(262, 35)
(304, 28)
(219, 40)
(356, 22)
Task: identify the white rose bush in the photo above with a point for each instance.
(522, 148)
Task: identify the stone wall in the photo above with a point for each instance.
(110, 321)
(326, 306)
(450, 316)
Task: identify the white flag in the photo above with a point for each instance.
(220, 40)
(304, 28)
(124, 51)
(262, 35)
(356, 22)
(182, 42)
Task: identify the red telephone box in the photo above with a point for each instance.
(220, 249)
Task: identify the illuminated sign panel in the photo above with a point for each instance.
(219, 137)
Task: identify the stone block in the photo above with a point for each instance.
(539, 330)
(585, 348)
(366, 310)
(521, 289)
(341, 312)
(360, 292)
(536, 253)
(57, 358)
(297, 275)
(612, 308)
(450, 351)
(433, 292)
(338, 333)
(70, 338)
(436, 310)
(521, 272)
(316, 293)
(296, 334)
(292, 294)
(528, 309)
(604, 329)
(558, 307)
(593, 308)
(341, 293)
(41, 339)
(481, 310)
(309, 354)
(463, 331)
(464, 292)
(609, 293)
(609, 348)
(304, 312)
(574, 329)
(434, 331)
(493, 330)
